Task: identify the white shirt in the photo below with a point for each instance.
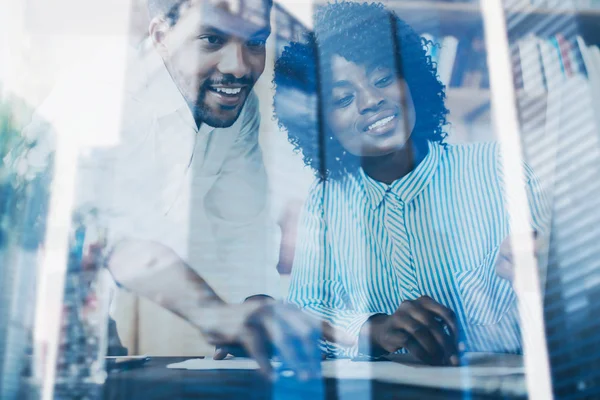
(202, 193)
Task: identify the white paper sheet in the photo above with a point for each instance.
(228, 363)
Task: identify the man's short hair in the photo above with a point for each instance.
(162, 7)
(169, 8)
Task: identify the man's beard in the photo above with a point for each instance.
(203, 113)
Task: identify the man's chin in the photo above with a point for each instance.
(220, 119)
(219, 123)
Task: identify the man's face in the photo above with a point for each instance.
(215, 53)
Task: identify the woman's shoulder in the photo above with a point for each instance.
(482, 152)
(473, 149)
(330, 191)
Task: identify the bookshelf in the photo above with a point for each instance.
(468, 101)
(448, 9)
(464, 17)
(464, 101)
(556, 66)
(467, 98)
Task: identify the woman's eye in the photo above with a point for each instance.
(383, 82)
(343, 101)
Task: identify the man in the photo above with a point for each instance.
(186, 180)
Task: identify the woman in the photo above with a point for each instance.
(400, 234)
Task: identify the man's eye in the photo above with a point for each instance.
(212, 40)
(343, 101)
(257, 43)
(385, 81)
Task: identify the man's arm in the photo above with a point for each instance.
(157, 273)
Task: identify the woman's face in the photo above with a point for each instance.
(370, 111)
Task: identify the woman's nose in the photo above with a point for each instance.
(369, 100)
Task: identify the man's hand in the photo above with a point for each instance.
(221, 352)
(427, 329)
(271, 327)
(504, 262)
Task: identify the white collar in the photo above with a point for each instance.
(160, 91)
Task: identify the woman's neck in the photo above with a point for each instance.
(396, 165)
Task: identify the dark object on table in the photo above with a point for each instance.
(125, 363)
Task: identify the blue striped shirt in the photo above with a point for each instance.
(365, 246)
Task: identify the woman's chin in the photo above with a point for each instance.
(382, 150)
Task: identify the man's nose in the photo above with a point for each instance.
(369, 100)
(234, 61)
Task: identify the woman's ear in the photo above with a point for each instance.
(158, 30)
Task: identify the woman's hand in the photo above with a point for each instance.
(427, 329)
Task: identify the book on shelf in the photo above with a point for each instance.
(550, 59)
(458, 1)
(447, 59)
(553, 4)
(591, 61)
(541, 64)
(591, 58)
(460, 62)
(531, 66)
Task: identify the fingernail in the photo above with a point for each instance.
(462, 347)
(287, 373)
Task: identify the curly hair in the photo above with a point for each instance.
(361, 33)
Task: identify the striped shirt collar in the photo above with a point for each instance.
(409, 186)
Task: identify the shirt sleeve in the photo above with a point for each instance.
(315, 285)
(537, 202)
(238, 210)
(539, 214)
